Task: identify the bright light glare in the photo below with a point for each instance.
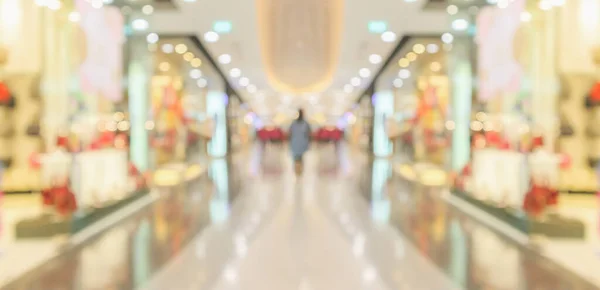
(364, 73)
(375, 58)
(388, 36)
(225, 58)
(211, 37)
(235, 73)
(244, 82)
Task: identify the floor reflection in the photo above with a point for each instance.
(126, 256)
(474, 256)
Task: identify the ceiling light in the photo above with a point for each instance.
(460, 24)
(435, 66)
(222, 26)
(419, 48)
(74, 16)
(433, 48)
(364, 73)
(452, 9)
(447, 38)
(244, 82)
(211, 36)
(398, 83)
(147, 9)
(196, 62)
(377, 27)
(140, 24)
(355, 81)
(403, 62)
(404, 74)
(181, 48)
(388, 36)
(411, 56)
(348, 89)
(167, 48)
(150, 38)
(375, 58)
(252, 89)
(235, 73)
(202, 83)
(164, 66)
(196, 73)
(225, 58)
(188, 56)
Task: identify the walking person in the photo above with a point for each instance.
(300, 135)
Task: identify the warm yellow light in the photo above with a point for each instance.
(411, 56)
(403, 62)
(181, 48)
(419, 48)
(188, 56)
(196, 62)
(164, 66)
(435, 66)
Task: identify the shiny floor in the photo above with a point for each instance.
(344, 223)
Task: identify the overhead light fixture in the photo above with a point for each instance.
(404, 74)
(388, 36)
(433, 48)
(375, 58)
(225, 58)
(181, 48)
(364, 73)
(196, 62)
(168, 48)
(398, 83)
(211, 37)
(348, 89)
(435, 66)
(244, 82)
(377, 27)
(235, 73)
(147, 9)
(140, 24)
(195, 73)
(447, 38)
(419, 48)
(150, 38)
(222, 26)
(411, 56)
(460, 24)
(202, 83)
(452, 9)
(355, 81)
(188, 56)
(403, 62)
(252, 89)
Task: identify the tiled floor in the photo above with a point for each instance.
(340, 225)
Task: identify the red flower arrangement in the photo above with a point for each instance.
(539, 198)
(61, 197)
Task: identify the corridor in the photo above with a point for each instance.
(254, 224)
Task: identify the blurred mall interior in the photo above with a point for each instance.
(145, 144)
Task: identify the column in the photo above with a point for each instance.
(139, 78)
(462, 88)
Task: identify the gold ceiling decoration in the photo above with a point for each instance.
(300, 42)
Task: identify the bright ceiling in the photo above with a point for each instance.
(308, 54)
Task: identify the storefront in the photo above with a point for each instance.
(523, 75)
(64, 147)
